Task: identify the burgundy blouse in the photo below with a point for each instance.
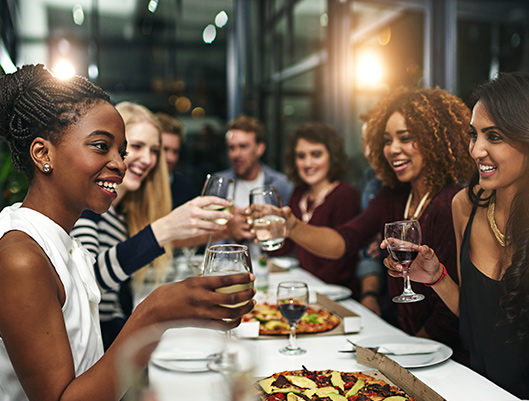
(438, 233)
(340, 205)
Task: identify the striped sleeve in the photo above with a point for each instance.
(117, 256)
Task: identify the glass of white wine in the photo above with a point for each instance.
(267, 221)
(221, 260)
(221, 187)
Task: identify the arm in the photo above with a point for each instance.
(190, 220)
(33, 330)
(322, 241)
(427, 268)
(117, 256)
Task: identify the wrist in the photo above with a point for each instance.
(366, 294)
(440, 278)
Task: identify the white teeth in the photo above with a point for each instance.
(486, 169)
(109, 186)
(398, 163)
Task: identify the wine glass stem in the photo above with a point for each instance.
(406, 276)
(292, 337)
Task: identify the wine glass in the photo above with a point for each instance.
(400, 237)
(265, 214)
(292, 300)
(221, 187)
(221, 260)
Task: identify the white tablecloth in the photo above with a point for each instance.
(450, 379)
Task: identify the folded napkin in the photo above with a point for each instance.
(408, 349)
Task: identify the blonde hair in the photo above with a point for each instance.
(153, 199)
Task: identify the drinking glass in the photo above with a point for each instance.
(292, 300)
(400, 237)
(220, 187)
(221, 260)
(167, 363)
(267, 221)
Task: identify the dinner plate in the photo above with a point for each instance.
(332, 291)
(410, 361)
(186, 350)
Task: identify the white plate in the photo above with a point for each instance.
(332, 291)
(410, 361)
(286, 262)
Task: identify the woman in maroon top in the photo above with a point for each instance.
(418, 139)
(315, 161)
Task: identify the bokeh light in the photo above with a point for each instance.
(183, 104)
(221, 19)
(78, 14)
(63, 69)
(369, 69)
(209, 34)
(198, 112)
(384, 36)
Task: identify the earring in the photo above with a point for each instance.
(46, 168)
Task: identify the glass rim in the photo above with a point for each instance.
(401, 222)
(236, 248)
(263, 188)
(292, 284)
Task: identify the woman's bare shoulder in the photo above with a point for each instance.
(21, 255)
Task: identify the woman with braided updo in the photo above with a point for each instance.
(418, 142)
(69, 140)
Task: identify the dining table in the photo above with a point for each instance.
(450, 379)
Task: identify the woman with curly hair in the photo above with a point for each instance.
(418, 140)
(491, 220)
(315, 161)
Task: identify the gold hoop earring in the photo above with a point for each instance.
(46, 168)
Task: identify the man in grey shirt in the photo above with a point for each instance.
(245, 139)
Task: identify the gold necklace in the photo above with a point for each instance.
(419, 206)
(306, 213)
(492, 222)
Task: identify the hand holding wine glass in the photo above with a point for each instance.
(221, 260)
(266, 216)
(220, 187)
(402, 239)
(292, 301)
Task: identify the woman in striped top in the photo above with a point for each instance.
(137, 231)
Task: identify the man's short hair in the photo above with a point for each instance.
(248, 124)
(171, 124)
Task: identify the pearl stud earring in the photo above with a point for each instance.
(46, 168)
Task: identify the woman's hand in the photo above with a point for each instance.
(291, 220)
(424, 269)
(191, 220)
(195, 299)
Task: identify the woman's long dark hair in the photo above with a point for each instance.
(506, 99)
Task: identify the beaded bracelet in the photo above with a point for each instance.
(443, 274)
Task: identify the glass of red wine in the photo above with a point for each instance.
(401, 236)
(292, 300)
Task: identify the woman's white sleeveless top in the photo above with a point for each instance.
(74, 265)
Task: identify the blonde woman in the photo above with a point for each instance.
(136, 232)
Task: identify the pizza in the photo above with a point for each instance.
(315, 320)
(328, 385)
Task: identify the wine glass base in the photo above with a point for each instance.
(404, 299)
(292, 351)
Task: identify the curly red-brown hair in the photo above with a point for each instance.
(439, 123)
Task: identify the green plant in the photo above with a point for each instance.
(13, 184)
